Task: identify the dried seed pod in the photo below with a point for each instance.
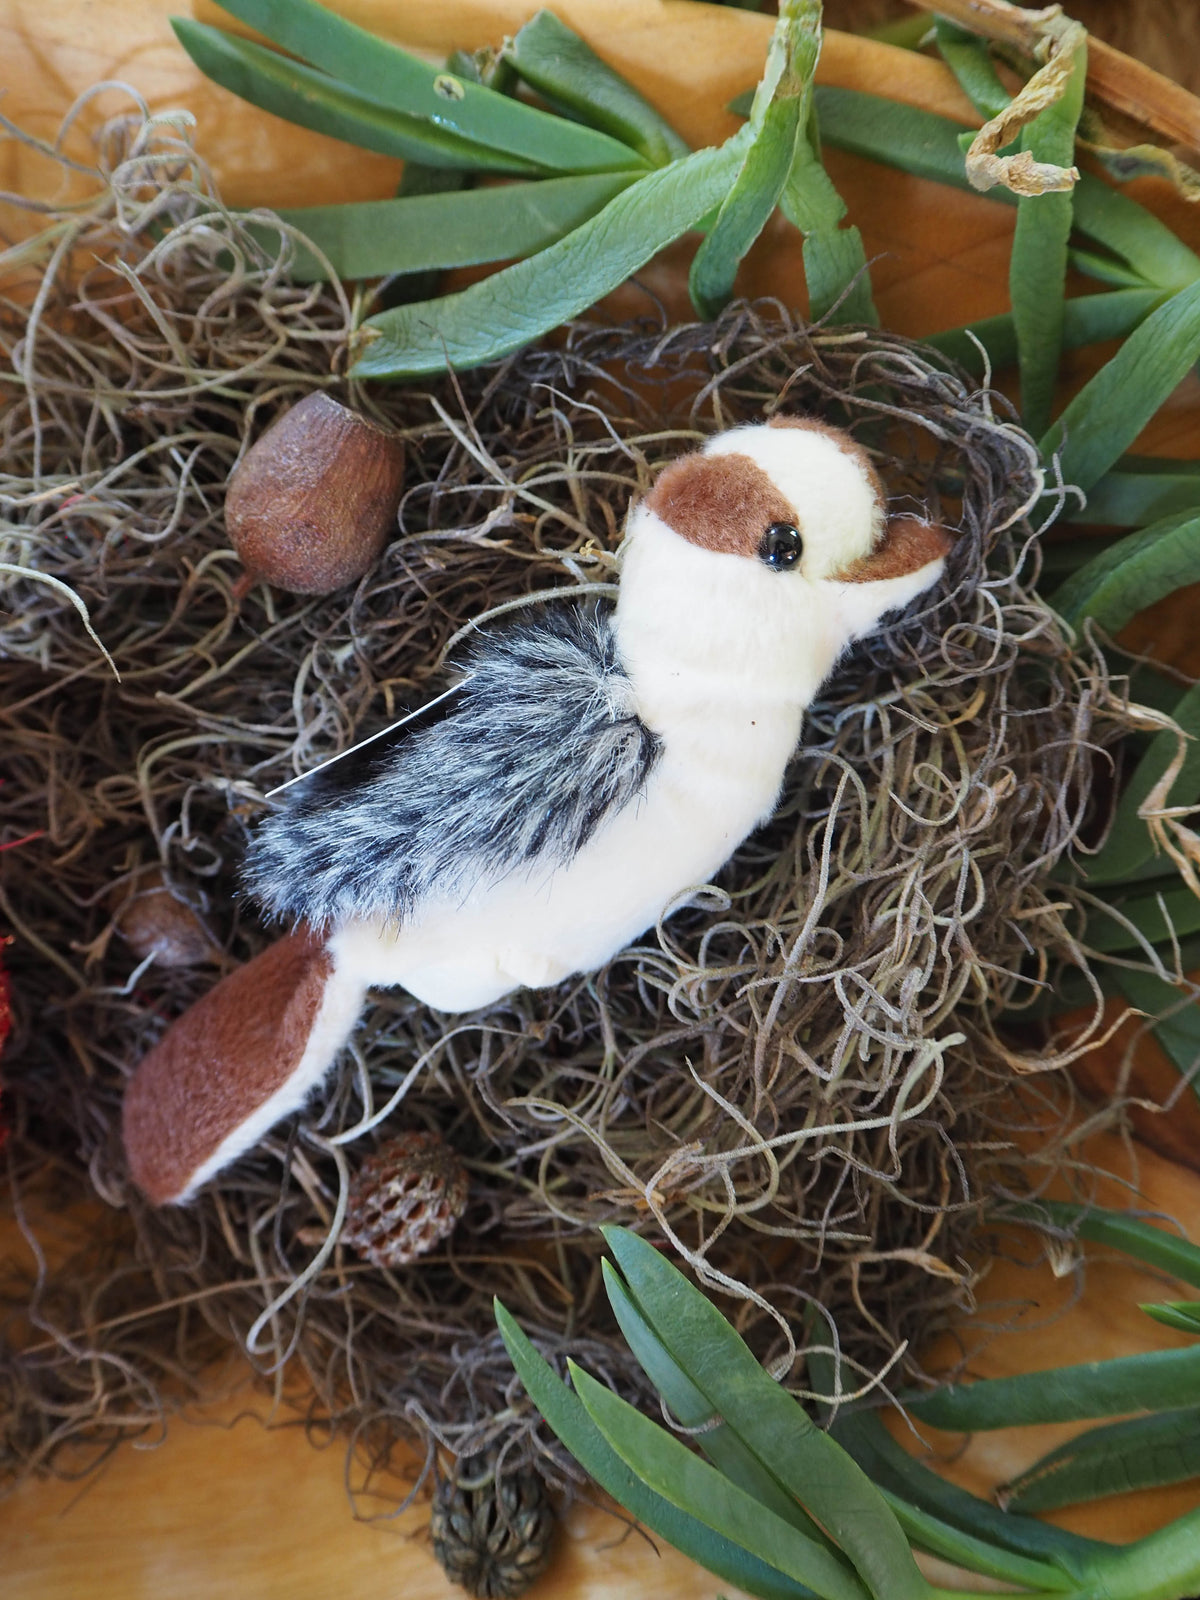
(405, 1199)
(493, 1534)
(312, 502)
(154, 922)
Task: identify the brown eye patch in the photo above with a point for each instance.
(722, 503)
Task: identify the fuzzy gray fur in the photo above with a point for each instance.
(540, 744)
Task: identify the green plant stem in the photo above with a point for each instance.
(1162, 1566)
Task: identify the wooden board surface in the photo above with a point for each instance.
(231, 1500)
(228, 1506)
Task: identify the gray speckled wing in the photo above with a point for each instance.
(540, 744)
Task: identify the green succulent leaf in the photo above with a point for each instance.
(446, 103)
(1159, 915)
(1182, 1315)
(927, 145)
(517, 305)
(690, 1408)
(1134, 572)
(744, 211)
(1087, 319)
(1155, 1380)
(967, 1550)
(966, 54)
(1108, 413)
(574, 1427)
(1141, 489)
(773, 1425)
(432, 232)
(666, 1465)
(568, 73)
(1156, 1247)
(309, 98)
(777, 113)
(863, 1434)
(1142, 1453)
(1129, 844)
(1106, 269)
(1038, 265)
(1178, 1026)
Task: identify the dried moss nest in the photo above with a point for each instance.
(798, 1080)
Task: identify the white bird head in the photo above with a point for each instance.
(754, 562)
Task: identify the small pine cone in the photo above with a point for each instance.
(492, 1536)
(405, 1199)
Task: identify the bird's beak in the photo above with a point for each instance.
(907, 545)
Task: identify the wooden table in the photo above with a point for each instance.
(229, 1505)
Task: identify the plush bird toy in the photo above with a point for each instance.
(591, 765)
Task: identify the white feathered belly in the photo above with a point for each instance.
(539, 924)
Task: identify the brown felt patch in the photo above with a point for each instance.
(219, 1062)
(845, 443)
(723, 503)
(907, 545)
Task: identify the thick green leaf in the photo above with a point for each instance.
(1129, 843)
(1162, 1566)
(1108, 413)
(1136, 235)
(1087, 319)
(305, 96)
(1141, 489)
(568, 73)
(691, 1410)
(776, 117)
(666, 1465)
(1155, 1246)
(1178, 1028)
(1153, 1381)
(391, 77)
(1061, 558)
(1159, 917)
(927, 145)
(571, 1423)
(1106, 269)
(1134, 572)
(835, 260)
(422, 233)
(1182, 1315)
(865, 1437)
(835, 265)
(509, 309)
(416, 181)
(1038, 265)
(967, 57)
(1143, 1453)
(939, 1538)
(834, 257)
(774, 1426)
(744, 211)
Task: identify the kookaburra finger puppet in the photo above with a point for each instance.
(593, 763)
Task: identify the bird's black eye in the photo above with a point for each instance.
(780, 547)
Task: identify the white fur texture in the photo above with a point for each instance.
(724, 655)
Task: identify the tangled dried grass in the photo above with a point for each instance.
(798, 1079)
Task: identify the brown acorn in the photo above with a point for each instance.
(493, 1534)
(311, 504)
(404, 1199)
(153, 922)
